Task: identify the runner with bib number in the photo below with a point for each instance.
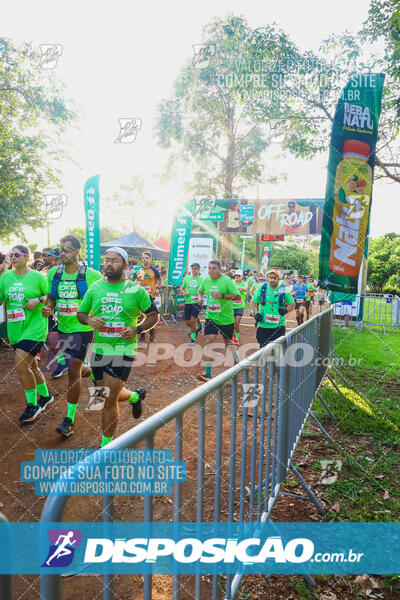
(24, 292)
(270, 303)
(115, 305)
(300, 291)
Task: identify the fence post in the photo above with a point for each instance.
(283, 418)
(5, 579)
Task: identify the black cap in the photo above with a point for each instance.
(195, 265)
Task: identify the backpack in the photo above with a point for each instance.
(263, 295)
(81, 284)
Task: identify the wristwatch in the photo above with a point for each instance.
(222, 296)
(41, 299)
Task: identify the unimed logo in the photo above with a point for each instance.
(62, 547)
(191, 550)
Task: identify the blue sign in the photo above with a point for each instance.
(247, 212)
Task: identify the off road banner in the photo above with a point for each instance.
(345, 226)
(91, 199)
(180, 237)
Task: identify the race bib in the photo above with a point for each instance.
(214, 308)
(157, 301)
(237, 302)
(299, 300)
(112, 329)
(15, 314)
(194, 298)
(147, 288)
(67, 309)
(272, 319)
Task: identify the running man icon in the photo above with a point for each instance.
(62, 547)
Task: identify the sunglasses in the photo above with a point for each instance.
(17, 254)
(66, 249)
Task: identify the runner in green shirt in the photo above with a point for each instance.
(24, 292)
(115, 305)
(221, 291)
(270, 304)
(312, 288)
(67, 285)
(239, 305)
(189, 289)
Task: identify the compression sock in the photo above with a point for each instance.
(208, 369)
(42, 389)
(235, 356)
(193, 335)
(31, 397)
(105, 440)
(61, 360)
(134, 397)
(71, 410)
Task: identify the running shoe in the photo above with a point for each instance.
(192, 343)
(137, 406)
(66, 428)
(45, 400)
(30, 413)
(59, 371)
(205, 377)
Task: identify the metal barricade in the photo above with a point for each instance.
(254, 413)
(373, 310)
(5, 580)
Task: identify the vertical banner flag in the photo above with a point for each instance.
(180, 237)
(91, 199)
(345, 226)
(266, 257)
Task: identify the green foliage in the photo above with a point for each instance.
(207, 124)
(33, 116)
(383, 262)
(291, 257)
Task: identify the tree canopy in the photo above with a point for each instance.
(33, 116)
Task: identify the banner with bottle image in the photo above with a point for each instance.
(345, 226)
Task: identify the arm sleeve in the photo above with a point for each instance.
(86, 304)
(288, 298)
(144, 299)
(156, 272)
(43, 285)
(256, 295)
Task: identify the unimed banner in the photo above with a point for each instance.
(180, 237)
(345, 226)
(91, 199)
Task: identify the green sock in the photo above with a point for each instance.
(61, 360)
(71, 410)
(192, 335)
(134, 397)
(42, 389)
(208, 369)
(31, 397)
(105, 440)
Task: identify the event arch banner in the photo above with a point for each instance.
(180, 237)
(345, 227)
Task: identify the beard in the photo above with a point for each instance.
(114, 275)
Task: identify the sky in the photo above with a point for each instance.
(120, 58)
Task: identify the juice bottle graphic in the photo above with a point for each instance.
(352, 192)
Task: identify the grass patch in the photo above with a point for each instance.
(369, 415)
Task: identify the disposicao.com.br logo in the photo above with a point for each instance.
(62, 547)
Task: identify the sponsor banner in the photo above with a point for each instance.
(201, 251)
(185, 548)
(180, 237)
(266, 257)
(91, 199)
(293, 216)
(345, 229)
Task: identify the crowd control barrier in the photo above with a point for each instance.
(248, 420)
(5, 580)
(373, 310)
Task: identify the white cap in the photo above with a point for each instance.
(239, 272)
(123, 253)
